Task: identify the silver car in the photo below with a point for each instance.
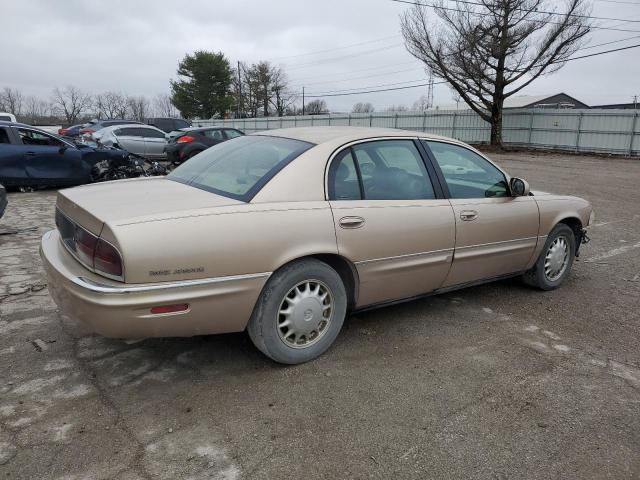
(144, 140)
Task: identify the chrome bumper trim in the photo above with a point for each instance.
(150, 287)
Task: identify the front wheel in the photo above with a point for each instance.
(554, 263)
(299, 313)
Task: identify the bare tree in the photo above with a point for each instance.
(361, 107)
(70, 102)
(316, 107)
(138, 108)
(422, 104)
(11, 100)
(456, 97)
(488, 50)
(111, 105)
(282, 98)
(36, 109)
(164, 107)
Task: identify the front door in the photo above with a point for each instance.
(154, 142)
(48, 160)
(496, 234)
(389, 220)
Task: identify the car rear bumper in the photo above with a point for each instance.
(114, 309)
(173, 153)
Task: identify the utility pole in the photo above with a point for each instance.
(239, 92)
(302, 100)
(635, 102)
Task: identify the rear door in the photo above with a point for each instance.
(50, 161)
(131, 139)
(154, 141)
(496, 234)
(391, 219)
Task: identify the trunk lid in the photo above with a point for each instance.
(137, 199)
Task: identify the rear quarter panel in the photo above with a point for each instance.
(233, 240)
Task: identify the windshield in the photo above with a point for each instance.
(239, 168)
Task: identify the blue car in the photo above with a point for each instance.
(30, 157)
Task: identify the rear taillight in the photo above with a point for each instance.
(62, 131)
(85, 245)
(185, 139)
(87, 130)
(107, 259)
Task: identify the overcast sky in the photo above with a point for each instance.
(134, 46)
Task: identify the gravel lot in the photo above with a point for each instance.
(495, 382)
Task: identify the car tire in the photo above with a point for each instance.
(299, 313)
(556, 258)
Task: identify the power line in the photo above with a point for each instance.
(360, 77)
(328, 60)
(594, 27)
(545, 12)
(335, 49)
(373, 86)
(316, 95)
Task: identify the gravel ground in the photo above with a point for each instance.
(498, 381)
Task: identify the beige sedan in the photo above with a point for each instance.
(284, 232)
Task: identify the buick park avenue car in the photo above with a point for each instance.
(284, 232)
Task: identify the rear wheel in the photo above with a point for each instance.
(299, 313)
(554, 263)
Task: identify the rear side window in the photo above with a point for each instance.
(239, 169)
(385, 169)
(152, 133)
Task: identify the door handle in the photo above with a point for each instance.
(468, 215)
(351, 222)
(31, 154)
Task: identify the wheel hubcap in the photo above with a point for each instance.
(305, 314)
(556, 259)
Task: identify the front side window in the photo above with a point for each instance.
(467, 174)
(4, 136)
(343, 178)
(387, 170)
(233, 133)
(31, 137)
(239, 169)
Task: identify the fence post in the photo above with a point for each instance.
(453, 126)
(578, 132)
(424, 121)
(395, 122)
(531, 115)
(312, 120)
(295, 120)
(349, 119)
(370, 119)
(634, 125)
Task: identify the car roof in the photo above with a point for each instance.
(111, 128)
(319, 135)
(6, 123)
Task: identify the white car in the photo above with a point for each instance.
(7, 117)
(144, 140)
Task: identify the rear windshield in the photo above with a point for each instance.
(239, 168)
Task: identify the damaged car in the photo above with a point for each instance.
(31, 157)
(285, 232)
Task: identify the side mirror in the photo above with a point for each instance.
(519, 187)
